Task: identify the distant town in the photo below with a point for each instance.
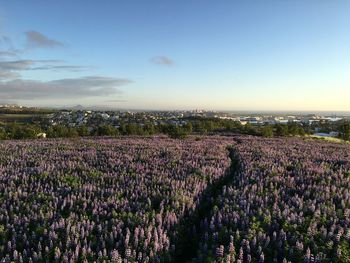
(75, 117)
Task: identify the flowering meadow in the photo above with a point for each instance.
(288, 202)
(103, 200)
(155, 199)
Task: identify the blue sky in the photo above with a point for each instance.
(221, 55)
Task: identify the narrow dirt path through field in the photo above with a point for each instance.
(189, 230)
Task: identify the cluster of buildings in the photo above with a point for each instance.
(10, 106)
(75, 118)
(281, 119)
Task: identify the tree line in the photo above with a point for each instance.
(197, 126)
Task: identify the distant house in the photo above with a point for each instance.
(334, 134)
(331, 134)
(41, 135)
(105, 116)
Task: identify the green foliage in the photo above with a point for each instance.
(344, 252)
(60, 131)
(177, 132)
(347, 174)
(281, 130)
(83, 131)
(20, 131)
(209, 125)
(70, 180)
(197, 125)
(2, 229)
(40, 230)
(267, 131)
(42, 175)
(345, 131)
(106, 130)
(131, 129)
(255, 227)
(293, 128)
(95, 174)
(3, 134)
(149, 129)
(250, 129)
(301, 131)
(2, 232)
(188, 127)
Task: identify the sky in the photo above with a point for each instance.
(184, 54)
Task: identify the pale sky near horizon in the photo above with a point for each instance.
(184, 54)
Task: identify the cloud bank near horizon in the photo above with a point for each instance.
(90, 86)
(14, 88)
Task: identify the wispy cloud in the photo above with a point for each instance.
(37, 39)
(14, 88)
(6, 48)
(115, 101)
(7, 102)
(5, 41)
(62, 67)
(16, 65)
(162, 60)
(11, 69)
(8, 75)
(90, 86)
(9, 53)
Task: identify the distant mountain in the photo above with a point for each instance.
(78, 107)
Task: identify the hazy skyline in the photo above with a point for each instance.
(227, 55)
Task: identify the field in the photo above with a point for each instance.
(330, 139)
(21, 118)
(23, 115)
(289, 201)
(155, 199)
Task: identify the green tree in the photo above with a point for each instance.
(200, 127)
(56, 131)
(106, 130)
(188, 127)
(3, 134)
(344, 249)
(22, 131)
(293, 128)
(267, 131)
(209, 125)
(149, 129)
(83, 131)
(250, 129)
(301, 131)
(177, 132)
(135, 129)
(72, 132)
(281, 130)
(345, 131)
(60, 131)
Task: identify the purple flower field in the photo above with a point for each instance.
(289, 202)
(101, 200)
(213, 199)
